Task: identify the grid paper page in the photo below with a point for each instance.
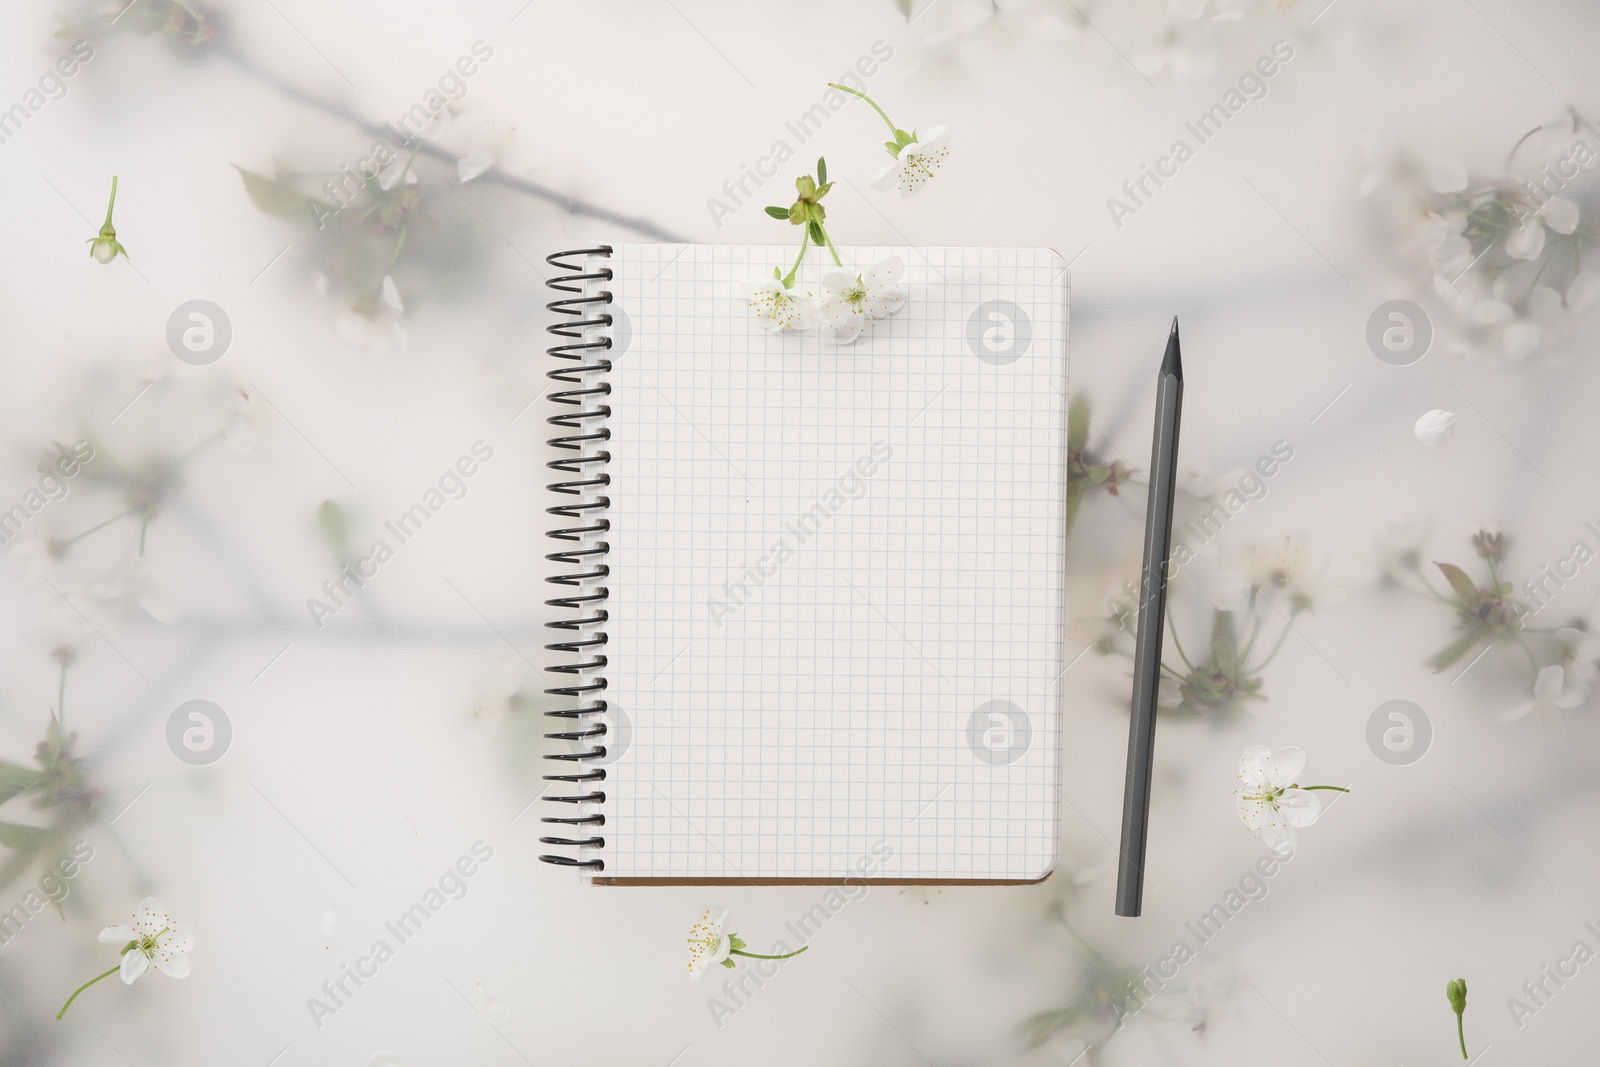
(836, 572)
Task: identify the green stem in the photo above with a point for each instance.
(111, 205)
(84, 986)
(846, 89)
(1533, 661)
(1177, 644)
(398, 245)
(805, 240)
(1335, 788)
(1544, 263)
(1284, 636)
(836, 260)
(61, 702)
(759, 956)
(1090, 949)
(1461, 1035)
(1255, 631)
(97, 526)
(1520, 141)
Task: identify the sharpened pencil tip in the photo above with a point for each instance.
(1173, 362)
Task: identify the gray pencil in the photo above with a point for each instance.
(1152, 617)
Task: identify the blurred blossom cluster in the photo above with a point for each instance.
(1251, 592)
(1502, 254)
(1555, 653)
(188, 23)
(1174, 40)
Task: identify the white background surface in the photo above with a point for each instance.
(359, 771)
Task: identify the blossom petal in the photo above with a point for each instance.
(1300, 808)
(1584, 291)
(1250, 764)
(134, 964)
(1228, 591)
(1278, 836)
(886, 177)
(151, 918)
(118, 935)
(936, 137)
(1519, 712)
(1251, 810)
(884, 301)
(472, 165)
(1436, 427)
(838, 281)
(179, 939)
(886, 271)
(173, 965)
(1283, 767)
(1520, 340)
(1527, 241)
(1548, 685)
(1560, 214)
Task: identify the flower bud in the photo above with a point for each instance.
(1456, 991)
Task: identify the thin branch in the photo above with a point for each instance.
(570, 204)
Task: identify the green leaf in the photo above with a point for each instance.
(1466, 589)
(1453, 652)
(797, 213)
(1225, 643)
(15, 866)
(728, 963)
(817, 236)
(52, 742)
(778, 212)
(333, 518)
(903, 137)
(276, 197)
(1078, 425)
(736, 941)
(806, 185)
(22, 838)
(1074, 499)
(893, 148)
(16, 779)
(822, 172)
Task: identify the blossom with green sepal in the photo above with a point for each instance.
(153, 938)
(916, 157)
(1272, 801)
(105, 247)
(1456, 992)
(710, 946)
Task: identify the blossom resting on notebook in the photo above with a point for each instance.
(850, 304)
(778, 307)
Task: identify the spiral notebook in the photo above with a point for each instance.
(810, 625)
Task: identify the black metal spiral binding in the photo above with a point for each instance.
(585, 437)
